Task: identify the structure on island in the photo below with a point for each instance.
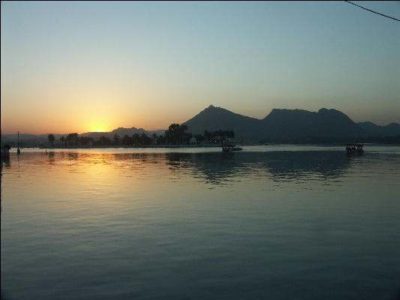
(229, 147)
(18, 149)
(354, 148)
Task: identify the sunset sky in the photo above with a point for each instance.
(96, 66)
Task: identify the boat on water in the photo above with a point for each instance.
(354, 148)
(229, 147)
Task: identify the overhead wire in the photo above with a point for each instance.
(373, 11)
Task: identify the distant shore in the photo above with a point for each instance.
(201, 146)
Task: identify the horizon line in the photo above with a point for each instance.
(209, 106)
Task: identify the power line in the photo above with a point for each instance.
(375, 12)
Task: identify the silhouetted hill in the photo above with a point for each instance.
(285, 124)
(371, 129)
(214, 118)
(288, 125)
(280, 125)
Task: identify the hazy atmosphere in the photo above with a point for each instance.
(200, 150)
(86, 66)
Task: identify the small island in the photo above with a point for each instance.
(177, 135)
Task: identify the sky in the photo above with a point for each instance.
(95, 66)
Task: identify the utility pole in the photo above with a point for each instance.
(18, 150)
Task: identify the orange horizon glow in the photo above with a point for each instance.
(100, 126)
(81, 124)
(131, 64)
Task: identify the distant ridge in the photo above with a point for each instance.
(372, 129)
(280, 125)
(299, 124)
(288, 125)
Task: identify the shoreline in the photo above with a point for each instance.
(13, 149)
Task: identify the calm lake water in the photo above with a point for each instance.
(271, 222)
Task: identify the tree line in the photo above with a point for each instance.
(175, 135)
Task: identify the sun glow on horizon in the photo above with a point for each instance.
(65, 70)
(99, 126)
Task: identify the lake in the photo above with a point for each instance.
(270, 222)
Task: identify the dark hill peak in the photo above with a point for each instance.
(334, 114)
(286, 113)
(331, 111)
(287, 125)
(218, 111)
(368, 123)
(212, 108)
(126, 128)
(285, 110)
(215, 118)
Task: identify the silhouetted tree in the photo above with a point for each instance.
(176, 134)
(104, 141)
(199, 138)
(154, 136)
(51, 139)
(207, 136)
(218, 136)
(136, 139)
(126, 140)
(86, 141)
(62, 140)
(117, 139)
(161, 140)
(145, 140)
(72, 139)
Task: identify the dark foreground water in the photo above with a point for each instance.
(266, 223)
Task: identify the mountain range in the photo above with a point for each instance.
(280, 125)
(289, 125)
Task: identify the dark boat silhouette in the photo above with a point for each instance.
(354, 149)
(229, 147)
